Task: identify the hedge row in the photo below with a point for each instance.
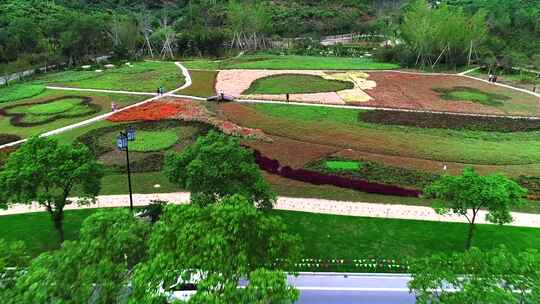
(449, 121)
(316, 178)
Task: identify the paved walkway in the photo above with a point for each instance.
(312, 205)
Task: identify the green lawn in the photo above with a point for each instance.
(323, 236)
(341, 128)
(337, 165)
(20, 91)
(149, 141)
(142, 77)
(202, 84)
(296, 84)
(473, 95)
(331, 236)
(290, 62)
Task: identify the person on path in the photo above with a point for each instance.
(490, 78)
(221, 95)
(287, 95)
(158, 91)
(113, 106)
(162, 90)
(494, 78)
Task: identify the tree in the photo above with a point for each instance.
(215, 167)
(470, 192)
(95, 269)
(475, 276)
(222, 243)
(46, 172)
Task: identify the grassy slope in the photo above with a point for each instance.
(339, 127)
(323, 236)
(274, 62)
(296, 84)
(202, 84)
(143, 77)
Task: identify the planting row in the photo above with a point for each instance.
(449, 121)
(317, 178)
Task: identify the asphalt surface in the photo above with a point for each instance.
(321, 288)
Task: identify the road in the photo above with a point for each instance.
(329, 288)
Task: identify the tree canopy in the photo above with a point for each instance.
(97, 267)
(477, 276)
(220, 243)
(470, 192)
(45, 171)
(217, 166)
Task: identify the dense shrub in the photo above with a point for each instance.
(450, 121)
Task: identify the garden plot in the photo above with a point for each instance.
(52, 109)
(389, 89)
(448, 93)
(308, 86)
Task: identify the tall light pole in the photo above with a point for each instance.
(122, 142)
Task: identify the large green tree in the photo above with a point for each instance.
(95, 269)
(442, 34)
(475, 276)
(217, 166)
(45, 172)
(470, 192)
(222, 243)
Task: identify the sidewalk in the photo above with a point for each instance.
(311, 205)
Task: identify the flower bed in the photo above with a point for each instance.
(151, 111)
(368, 265)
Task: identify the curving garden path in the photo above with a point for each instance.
(312, 205)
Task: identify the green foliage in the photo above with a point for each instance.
(96, 267)
(296, 84)
(442, 34)
(183, 243)
(13, 259)
(215, 167)
(148, 141)
(477, 276)
(471, 191)
(472, 95)
(44, 171)
(20, 91)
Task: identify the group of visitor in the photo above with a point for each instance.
(492, 78)
(160, 91)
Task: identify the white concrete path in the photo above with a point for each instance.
(187, 83)
(312, 205)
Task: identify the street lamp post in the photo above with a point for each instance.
(122, 142)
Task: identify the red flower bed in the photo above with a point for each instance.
(150, 111)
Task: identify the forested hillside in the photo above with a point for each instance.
(75, 31)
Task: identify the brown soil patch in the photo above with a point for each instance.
(411, 91)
